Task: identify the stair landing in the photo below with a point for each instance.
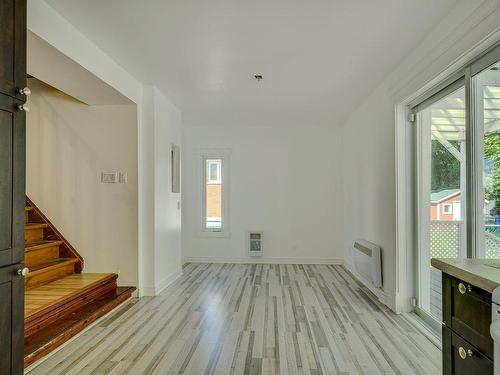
(57, 311)
(55, 292)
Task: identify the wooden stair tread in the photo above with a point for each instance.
(51, 264)
(35, 225)
(41, 244)
(42, 298)
(52, 335)
(28, 208)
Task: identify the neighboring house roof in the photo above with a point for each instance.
(443, 195)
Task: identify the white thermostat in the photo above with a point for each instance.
(254, 241)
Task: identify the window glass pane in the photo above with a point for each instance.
(442, 232)
(213, 172)
(487, 85)
(213, 197)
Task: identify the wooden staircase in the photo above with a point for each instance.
(60, 300)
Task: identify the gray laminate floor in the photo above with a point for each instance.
(251, 319)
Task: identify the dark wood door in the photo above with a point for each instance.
(12, 183)
(12, 197)
(11, 321)
(13, 47)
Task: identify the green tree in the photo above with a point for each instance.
(492, 168)
(445, 168)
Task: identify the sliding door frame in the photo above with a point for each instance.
(406, 210)
(422, 176)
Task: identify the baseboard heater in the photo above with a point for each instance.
(368, 264)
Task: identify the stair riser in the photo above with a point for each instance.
(49, 275)
(36, 257)
(33, 235)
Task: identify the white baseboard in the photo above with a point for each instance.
(151, 291)
(167, 281)
(147, 291)
(258, 260)
(387, 298)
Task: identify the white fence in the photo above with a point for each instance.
(446, 239)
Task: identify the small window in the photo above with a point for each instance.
(447, 208)
(214, 202)
(214, 197)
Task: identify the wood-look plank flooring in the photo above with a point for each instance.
(251, 319)
(40, 297)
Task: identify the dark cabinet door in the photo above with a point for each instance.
(13, 47)
(467, 311)
(462, 358)
(11, 320)
(12, 181)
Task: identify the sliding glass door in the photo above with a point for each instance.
(441, 177)
(457, 174)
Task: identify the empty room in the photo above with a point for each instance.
(250, 187)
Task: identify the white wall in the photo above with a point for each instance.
(369, 134)
(161, 218)
(68, 145)
(284, 181)
(167, 225)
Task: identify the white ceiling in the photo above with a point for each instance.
(319, 58)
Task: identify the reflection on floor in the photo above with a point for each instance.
(251, 319)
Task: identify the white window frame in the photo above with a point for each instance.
(447, 208)
(218, 179)
(202, 157)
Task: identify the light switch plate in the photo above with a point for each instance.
(122, 177)
(109, 177)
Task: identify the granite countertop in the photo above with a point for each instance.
(477, 272)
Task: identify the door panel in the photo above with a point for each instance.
(11, 320)
(441, 171)
(6, 156)
(12, 185)
(13, 47)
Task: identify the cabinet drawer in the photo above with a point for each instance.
(467, 311)
(462, 358)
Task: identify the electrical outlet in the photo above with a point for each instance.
(109, 177)
(123, 178)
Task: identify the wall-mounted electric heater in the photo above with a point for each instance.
(254, 241)
(368, 264)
